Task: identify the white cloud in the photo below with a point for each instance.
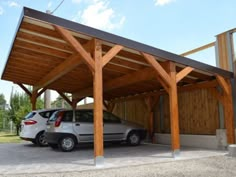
(1, 10)
(13, 4)
(99, 15)
(76, 1)
(163, 2)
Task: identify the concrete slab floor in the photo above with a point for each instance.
(25, 158)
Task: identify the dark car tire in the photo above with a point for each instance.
(67, 143)
(40, 140)
(53, 146)
(34, 142)
(133, 138)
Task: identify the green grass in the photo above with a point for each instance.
(9, 138)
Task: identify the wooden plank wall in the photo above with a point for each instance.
(133, 111)
(198, 113)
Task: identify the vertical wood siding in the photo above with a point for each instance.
(198, 113)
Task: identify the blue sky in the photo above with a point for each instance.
(173, 25)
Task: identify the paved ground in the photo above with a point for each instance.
(120, 160)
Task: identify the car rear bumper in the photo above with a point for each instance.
(27, 139)
(28, 135)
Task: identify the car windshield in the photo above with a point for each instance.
(29, 115)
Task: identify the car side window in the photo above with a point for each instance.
(46, 114)
(30, 115)
(54, 116)
(67, 116)
(110, 118)
(84, 116)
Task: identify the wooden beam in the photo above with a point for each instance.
(198, 49)
(59, 71)
(75, 101)
(184, 72)
(65, 98)
(111, 106)
(111, 53)
(41, 91)
(157, 67)
(164, 85)
(119, 82)
(190, 87)
(105, 104)
(75, 44)
(200, 85)
(98, 101)
(25, 89)
(224, 85)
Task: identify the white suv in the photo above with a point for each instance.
(66, 128)
(33, 126)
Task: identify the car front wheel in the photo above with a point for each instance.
(133, 138)
(67, 144)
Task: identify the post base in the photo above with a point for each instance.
(99, 161)
(176, 153)
(232, 150)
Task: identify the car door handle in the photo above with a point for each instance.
(77, 124)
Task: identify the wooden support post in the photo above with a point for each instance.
(228, 107)
(74, 103)
(168, 76)
(33, 100)
(98, 104)
(174, 110)
(111, 106)
(33, 96)
(151, 102)
(148, 102)
(229, 119)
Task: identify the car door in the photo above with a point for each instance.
(83, 125)
(113, 128)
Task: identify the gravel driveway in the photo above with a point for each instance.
(145, 160)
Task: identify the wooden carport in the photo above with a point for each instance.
(53, 53)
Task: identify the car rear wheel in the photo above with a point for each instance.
(133, 138)
(40, 140)
(67, 143)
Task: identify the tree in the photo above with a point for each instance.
(2, 110)
(20, 105)
(60, 103)
(2, 101)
